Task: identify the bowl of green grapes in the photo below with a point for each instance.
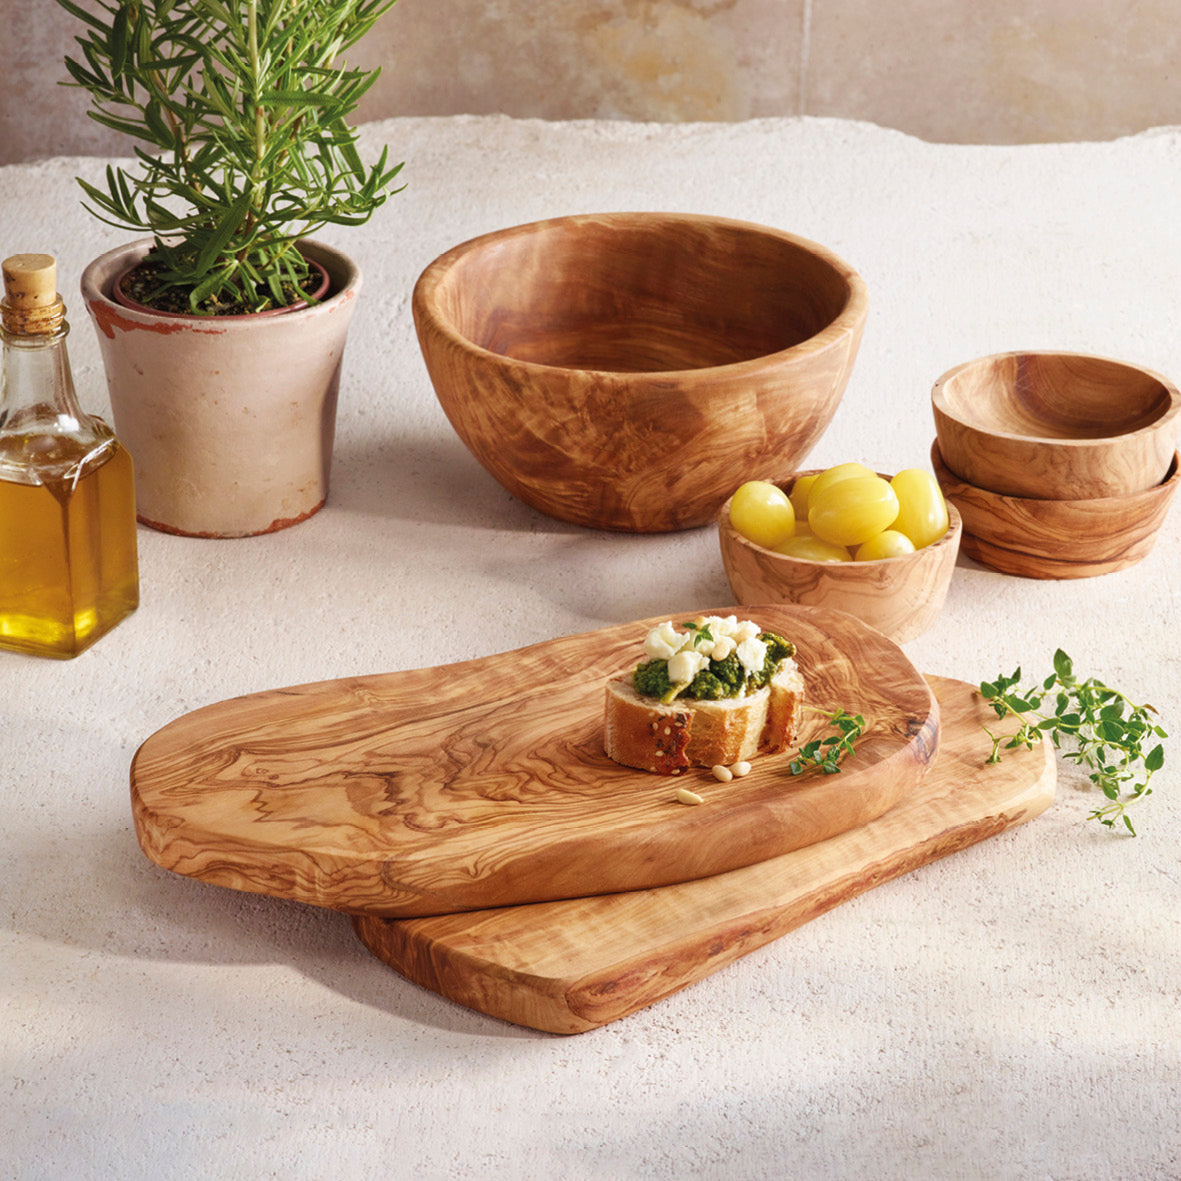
(883, 548)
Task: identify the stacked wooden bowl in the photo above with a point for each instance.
(1062, 465)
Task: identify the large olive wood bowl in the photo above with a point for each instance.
(627, 371)
(900, 597)
(1056, 538)
(1056, 426)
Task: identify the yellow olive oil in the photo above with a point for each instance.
(68, 562)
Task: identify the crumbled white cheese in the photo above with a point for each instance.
(752, 652)
(688, 653)
(663, 641)
(683, 666)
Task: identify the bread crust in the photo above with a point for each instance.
(668, 739)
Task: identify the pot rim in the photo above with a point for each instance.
(100, 273)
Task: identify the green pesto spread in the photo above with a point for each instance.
(718, 679)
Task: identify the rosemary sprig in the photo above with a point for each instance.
(827, 751)
(1108, 733)
(241, 111)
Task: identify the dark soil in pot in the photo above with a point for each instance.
(141, 288)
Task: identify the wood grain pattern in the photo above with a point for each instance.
(901, 597)
(628, 371)
(570, 966)
(1054, 425)
(485, 783)
(1056, 538)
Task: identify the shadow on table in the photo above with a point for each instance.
(428, 478)
(136, 910)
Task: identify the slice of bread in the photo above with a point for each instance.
(644, 733)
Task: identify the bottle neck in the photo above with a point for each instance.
(44, 435)
(32, 322)
(36, 382)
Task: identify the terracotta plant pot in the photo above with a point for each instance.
(230, 420)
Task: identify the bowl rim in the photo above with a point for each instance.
(951, 535)
(1162, 488)
(940, 405)
(852, 312)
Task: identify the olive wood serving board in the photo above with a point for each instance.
(484, 783)
(569, 966)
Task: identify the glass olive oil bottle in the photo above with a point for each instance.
(68, 565)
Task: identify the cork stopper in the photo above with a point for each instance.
(32, 306)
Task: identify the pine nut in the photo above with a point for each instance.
(685, 796)
(723, 774)
(740, 769)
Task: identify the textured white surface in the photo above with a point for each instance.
(1012, 1011)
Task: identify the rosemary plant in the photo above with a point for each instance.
(243, 106)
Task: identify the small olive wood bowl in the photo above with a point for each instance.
(1056, 426)
(1056, 538)
(900, 597)
(627, 371)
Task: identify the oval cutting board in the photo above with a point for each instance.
(485, 783)
(569, 966)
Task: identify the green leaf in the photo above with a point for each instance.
(126, 126)
(298, 98)
(1109, 730)
(1063, 665)
(82, 77)
(212, 284)
(156, 124)
(120, 38)
(1155, 759)
(231, 221)
(93, 21)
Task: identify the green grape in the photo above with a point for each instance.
(799, 496)
(922, 511)
(833, 475)
(762, 513)
(887, 544)
(851, 511)
(812, 548)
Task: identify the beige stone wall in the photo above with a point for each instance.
(968, 71)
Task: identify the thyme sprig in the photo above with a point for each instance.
(1107, 732)
(829, 750)
(699, 632)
